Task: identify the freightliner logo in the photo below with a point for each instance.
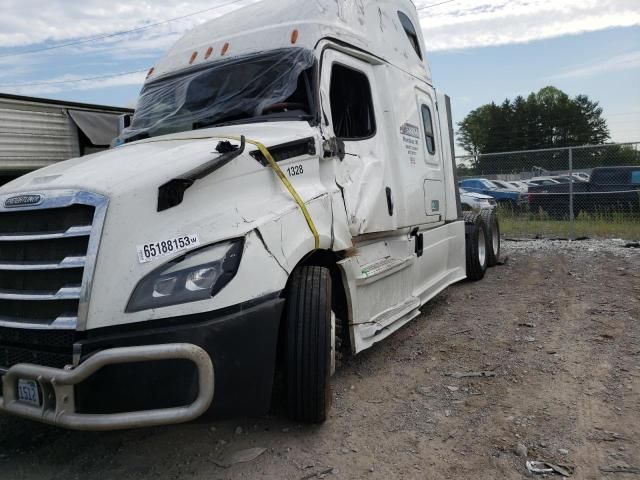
(23, 201)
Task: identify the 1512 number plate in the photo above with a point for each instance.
(28, 392)
(151, 251)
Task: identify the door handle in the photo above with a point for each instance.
(419, 242)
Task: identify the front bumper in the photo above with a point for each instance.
(58, 395)
(160, 372)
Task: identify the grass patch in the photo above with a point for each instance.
(599, 225)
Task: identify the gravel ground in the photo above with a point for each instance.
(556, 331)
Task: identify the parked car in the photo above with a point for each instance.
(561, 179)
(610, 189)
(520, 185)
(567, 179)
(476, 201)
(500, 195)
(544, 181)
(504, 184)
(582, 176)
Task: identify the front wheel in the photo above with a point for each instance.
(308, 345)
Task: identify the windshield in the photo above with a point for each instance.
(277, 85)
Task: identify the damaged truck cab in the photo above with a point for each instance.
(285, 192)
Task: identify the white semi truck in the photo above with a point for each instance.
(285, 193)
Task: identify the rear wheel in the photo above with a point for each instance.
(493, 234)
(308, 345)
(476, 237)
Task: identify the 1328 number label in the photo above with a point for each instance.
(295, 170)
(150, 251)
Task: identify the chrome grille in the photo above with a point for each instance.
(47, 257)
(42, 264)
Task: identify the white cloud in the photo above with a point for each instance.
(456, 25)
(68, 83)
(462, 24)
(482, 23)
(29, 22)
(626, 61)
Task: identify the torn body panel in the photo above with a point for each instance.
(388, 282)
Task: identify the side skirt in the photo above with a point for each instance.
(387, 282)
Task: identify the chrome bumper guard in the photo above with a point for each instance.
(57, 388)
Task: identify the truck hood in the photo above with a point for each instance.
(241, 197)
(151, 162)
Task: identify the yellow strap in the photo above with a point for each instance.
(276, 168)
(283, 178)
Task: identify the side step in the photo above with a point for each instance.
(382, 268)
(381, 283)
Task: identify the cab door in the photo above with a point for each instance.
(352, 112)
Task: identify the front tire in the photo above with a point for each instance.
(476, 245)
(308, 345)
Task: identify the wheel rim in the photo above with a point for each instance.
(482, 248)
(495, 239)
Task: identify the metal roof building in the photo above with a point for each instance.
(36, 132)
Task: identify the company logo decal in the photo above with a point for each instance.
(23, 201)
(410, 130)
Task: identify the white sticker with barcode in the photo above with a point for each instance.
(152, 251)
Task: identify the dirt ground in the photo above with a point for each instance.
(557, 329)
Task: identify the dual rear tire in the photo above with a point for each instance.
(482, 235)
(493, 231)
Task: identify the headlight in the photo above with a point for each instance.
(196, 276)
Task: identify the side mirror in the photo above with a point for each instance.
(124, 121)
(334, 147)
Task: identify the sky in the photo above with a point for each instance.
(479, 50)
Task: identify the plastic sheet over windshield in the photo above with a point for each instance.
(269, 86)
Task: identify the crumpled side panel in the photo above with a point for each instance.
(362, 181)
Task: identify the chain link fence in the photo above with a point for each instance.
(590, 191)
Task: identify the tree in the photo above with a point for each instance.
(546, 119)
